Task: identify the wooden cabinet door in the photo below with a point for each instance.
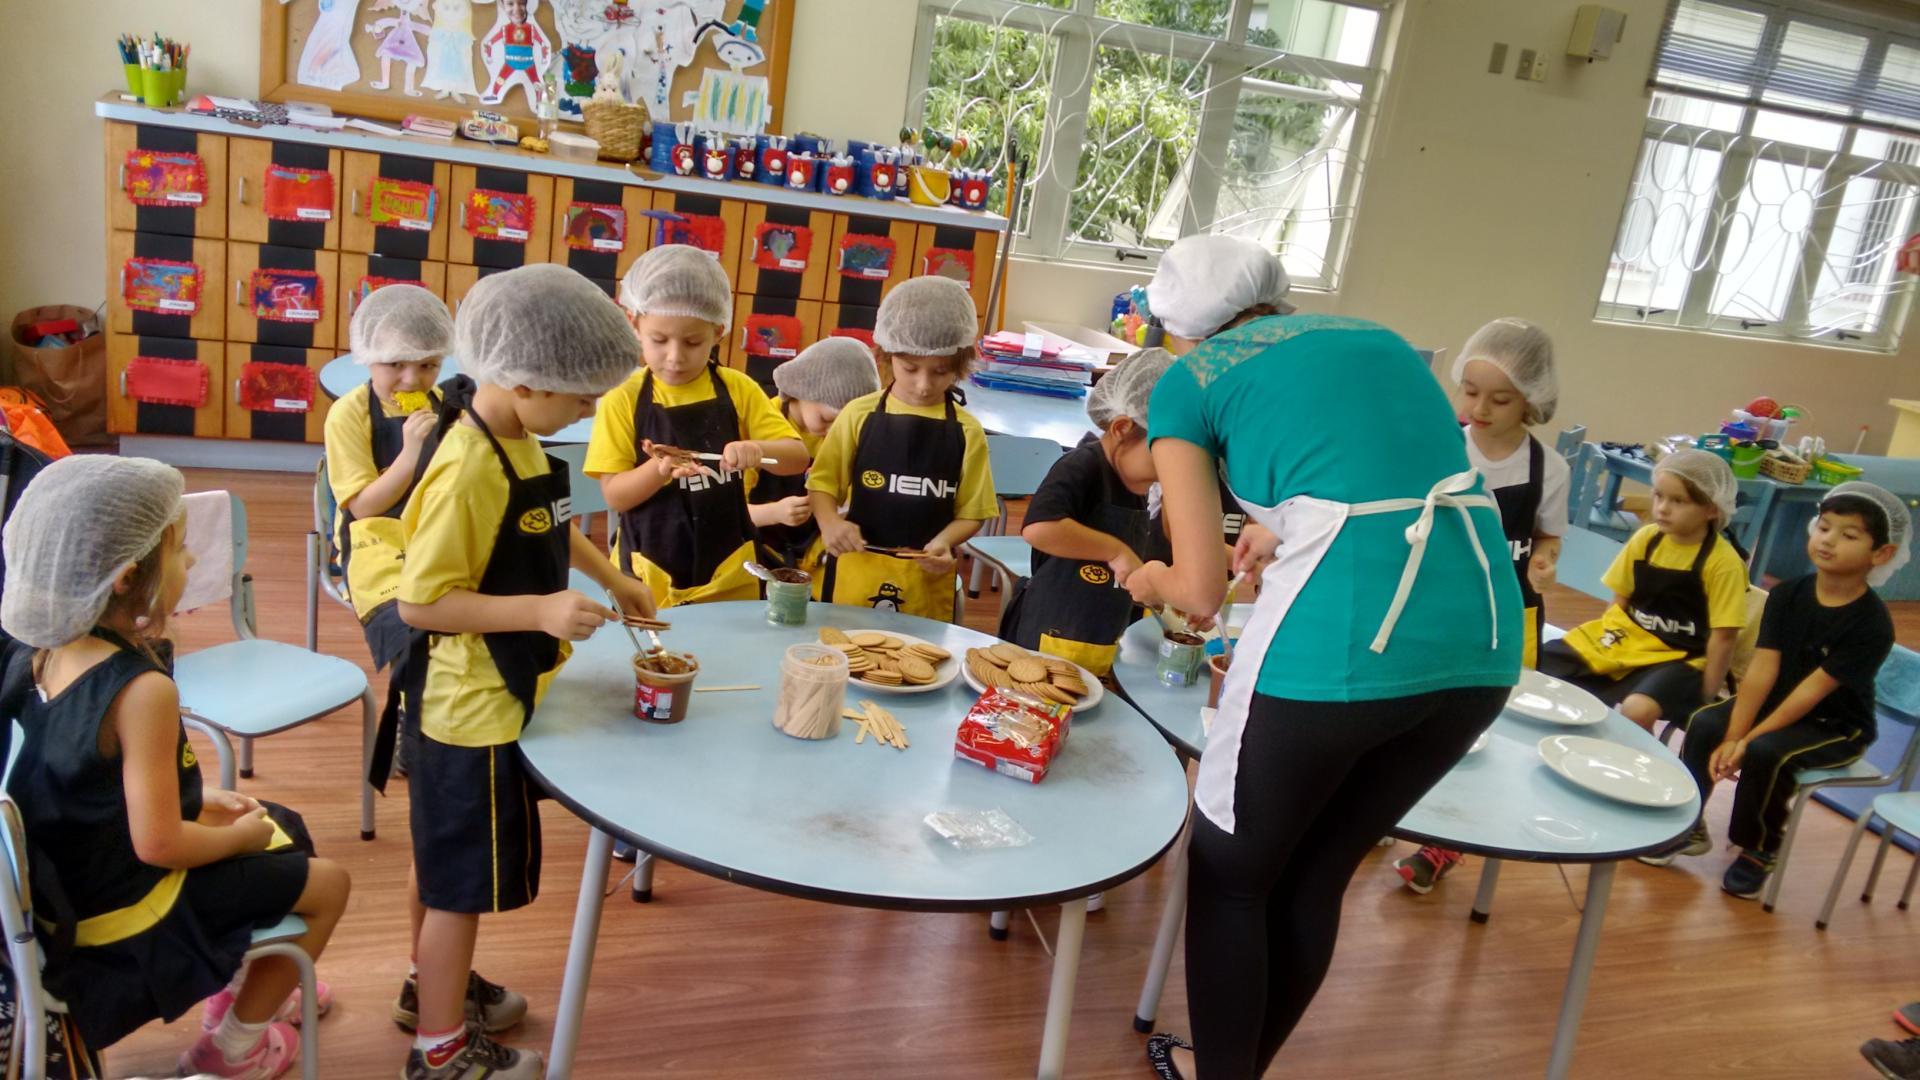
(595, 242)
(757, 342)
(129, 414)
(358, 272)
(461, 279)
(858, 276)
(768, 267)
(255, 292)
(151, 267)
(949, 249)
(259, 165)
(509, 249)
(358, 232)
(208, 217)
(284, 419)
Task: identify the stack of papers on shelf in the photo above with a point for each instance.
(1032, 364)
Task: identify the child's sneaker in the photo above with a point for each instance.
(1747, 877)
(216, 1008)
(479, 1059)
(1895, 1060)
(1423, 869)
(1908, 1016)
(1698, 842)
(492, 1007)
(279, 1045)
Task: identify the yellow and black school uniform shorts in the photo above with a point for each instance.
(476, 830)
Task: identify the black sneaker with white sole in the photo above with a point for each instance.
(491, 1007)
(480, 1059)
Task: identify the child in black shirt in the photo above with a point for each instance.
(1807, 699)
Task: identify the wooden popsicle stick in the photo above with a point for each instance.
(725, 689)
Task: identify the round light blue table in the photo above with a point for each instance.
(726, 794)
(341, 375)
(1004, 412)
(1501, 803)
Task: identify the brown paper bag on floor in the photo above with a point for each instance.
(71, 379)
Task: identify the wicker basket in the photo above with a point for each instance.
(1786, 468)
(617, 128)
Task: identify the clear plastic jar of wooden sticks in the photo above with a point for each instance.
(813, 690)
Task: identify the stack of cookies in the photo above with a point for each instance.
(1010, 667)
(883, 660)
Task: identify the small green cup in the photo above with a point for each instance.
(134, 86)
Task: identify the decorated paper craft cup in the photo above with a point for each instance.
(663, 683)
(787, 597)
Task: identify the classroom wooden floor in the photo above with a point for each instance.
(718, 980)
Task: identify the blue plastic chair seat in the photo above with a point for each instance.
(1860, 772)
(1008, 553)
(287, 929)
(1901, 809)
(255, 687)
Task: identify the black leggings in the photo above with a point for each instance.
(1319, 784)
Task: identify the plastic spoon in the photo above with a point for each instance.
(761, 572)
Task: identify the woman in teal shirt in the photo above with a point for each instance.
(1382, 643)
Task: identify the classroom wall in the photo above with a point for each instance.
(1484, 195)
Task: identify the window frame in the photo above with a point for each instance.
(1079, 34)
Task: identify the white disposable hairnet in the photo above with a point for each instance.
(1524, 353)
(544, 327)
(400, 324)
(831, 371)
(1899, 524)
(82, 522)
(1709, 474)
(926, 316)
(678, 279)
(1204, 282)
(1126, 390)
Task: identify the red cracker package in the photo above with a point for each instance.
(1012, 735)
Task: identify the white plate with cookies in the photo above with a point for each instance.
(1010, 667)
(892, 663)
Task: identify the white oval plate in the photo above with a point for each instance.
(1618, 772)
(944, 672)
(1095, 692)
(1540, 697)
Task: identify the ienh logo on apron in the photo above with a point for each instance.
(907, 471)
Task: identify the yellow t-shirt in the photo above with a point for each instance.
(350, 466)
(613, 449)
(808, 439)
(451, 523)
(1615, 644)
(833, 462)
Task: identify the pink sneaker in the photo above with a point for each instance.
(272, 1056)
(215, 1008)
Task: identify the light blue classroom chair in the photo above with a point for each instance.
(33, 1003)
(1020, 463)
(251, 687)
(1009, 557)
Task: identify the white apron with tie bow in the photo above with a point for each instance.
(1307, 528)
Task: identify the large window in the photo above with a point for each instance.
(1779, 175)
(1136, 122)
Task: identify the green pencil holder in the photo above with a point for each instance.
(163, 88)
(134, 86)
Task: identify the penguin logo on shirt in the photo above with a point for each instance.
(536, 521)
(1611, 638)
(873, 479)
(888, 598)
(188, 760)
(1095, 574)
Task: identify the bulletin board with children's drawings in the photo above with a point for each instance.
(721, 64)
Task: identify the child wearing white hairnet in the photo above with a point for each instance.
(902, 479)
(377, 438)
(1663, 647)
(814, 386)
(1806, 701)
(1089, 527)
(488, 546)
(686, 530)
(165, 879)
(1505, 382)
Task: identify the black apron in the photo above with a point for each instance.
(1672, 604)
(693, 525)
(374, 586)
(1074, 609)
(1519, 509)
(906, 485)
(784, 545)
(530, 558)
